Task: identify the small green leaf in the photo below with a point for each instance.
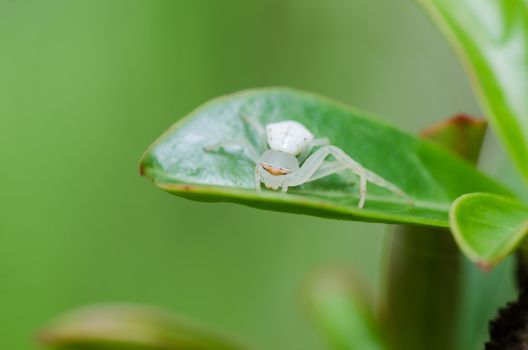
(130, 327)
(429, 175)
(340, 309)
(491, 36)
(488, 227)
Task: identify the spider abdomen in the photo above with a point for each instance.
(288, 136)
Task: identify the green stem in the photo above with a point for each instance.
(423, 275)
(422, 289)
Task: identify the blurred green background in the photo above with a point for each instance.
(86, 86)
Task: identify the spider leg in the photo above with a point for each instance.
(378, 180)
(326, 169)
(239, 142)
(323, 141)
(257, 179)
(313, 168)
(317, 142)
(258, 128)
(314, 162)
(373, 177)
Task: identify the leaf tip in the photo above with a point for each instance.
(466, 119)
(146, 164)
(142, 169)
(485, 266)
(459, 121)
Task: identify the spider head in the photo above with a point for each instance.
(276, 167)
(276, 163)
(274, 170)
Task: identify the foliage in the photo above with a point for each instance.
(431, 177)
(487, 221)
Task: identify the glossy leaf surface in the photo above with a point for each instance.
(130, 327)
(429, 175)
(488, 227)
(491, 37)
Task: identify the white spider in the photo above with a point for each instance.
(289, 160)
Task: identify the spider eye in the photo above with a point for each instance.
(276, 171)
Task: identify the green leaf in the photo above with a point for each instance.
(130, 327)
(488, 227)
(340, 309)
(430, 176)
(491, 37)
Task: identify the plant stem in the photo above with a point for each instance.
(422, 289)
(423, 278)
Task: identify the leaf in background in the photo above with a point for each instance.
(461, 134)
(488, 227)
(130, 327)
(341, 311)
(491, 36)
(177, 162)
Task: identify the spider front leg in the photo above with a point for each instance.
(314, 162)
(257, 128)
(345, 159)
(257, 179)
(327, 168)
(313, 168)
(314, 143)
(238, 142)
(244, 142)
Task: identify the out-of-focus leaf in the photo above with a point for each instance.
(430, 176)
(491, 36)
(342, 312)
(461, 134)
(130, 327)
(488, 227)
